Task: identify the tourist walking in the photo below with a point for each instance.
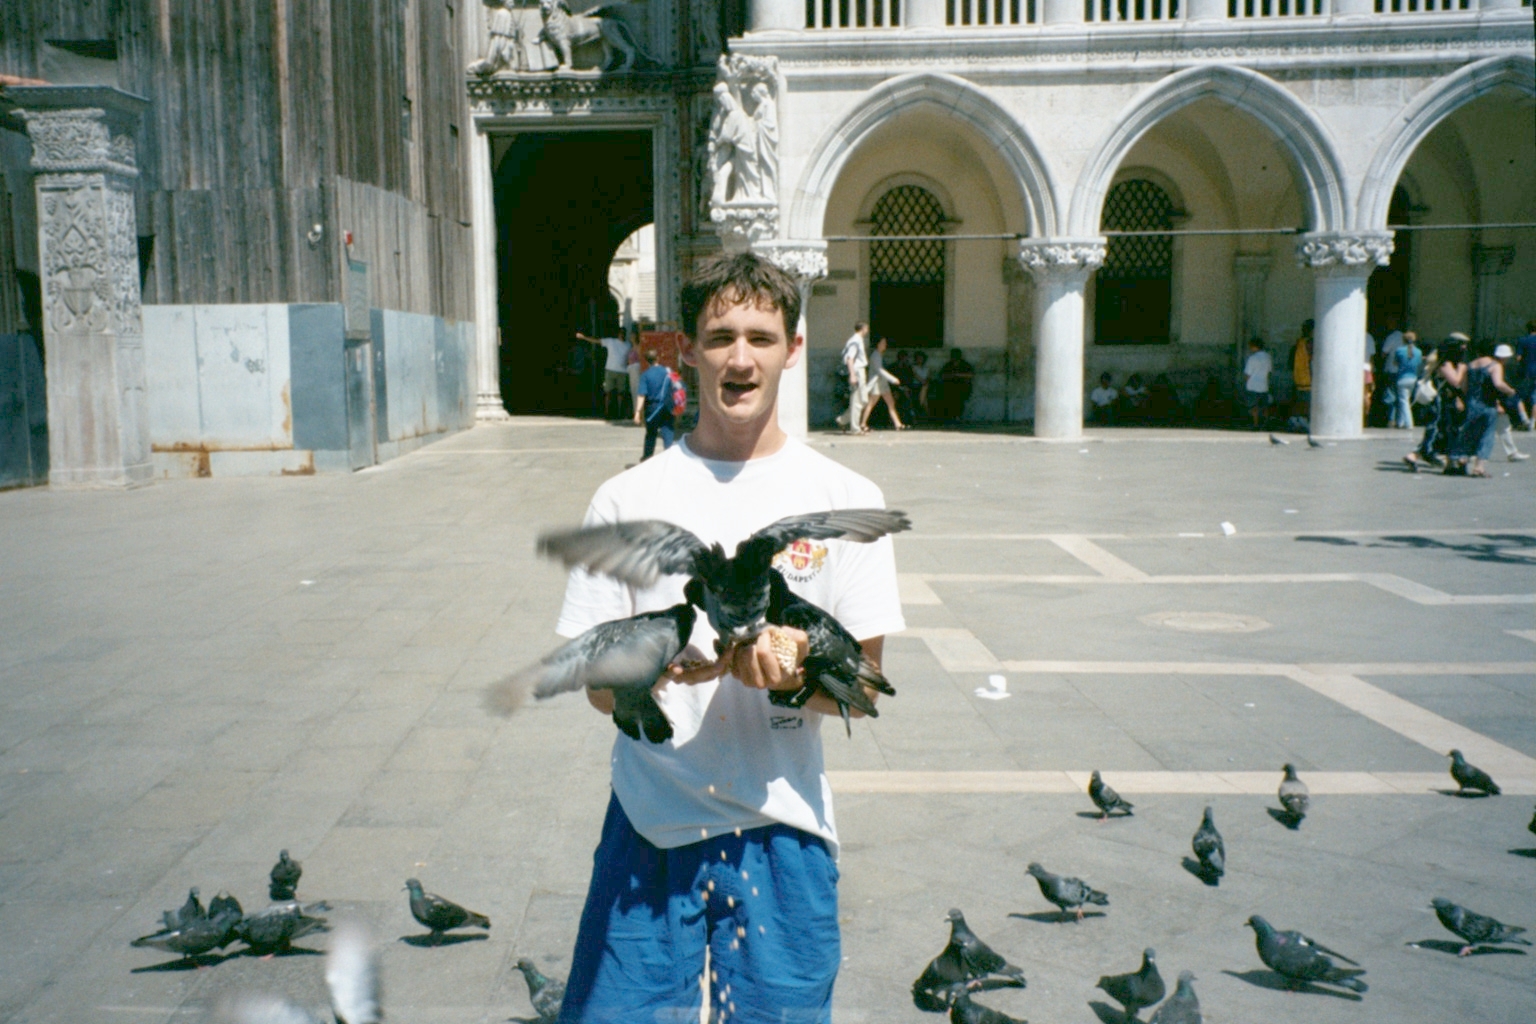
(1511, 409)
(920, 374)
(1525, 349)
(1481, 383)
(615, 373)
(1256, 370)
(653, 405)
(1403, 367)
(856, 362)
(880, 381)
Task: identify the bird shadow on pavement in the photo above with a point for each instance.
(1523, 851)
(429, 940)
(190, 963)
(1464, 794)
(1276, 981)
(1197, 869)
(1285, 818)
(1454, 948)
(1096, 816)
(1057, 916)
(268, 954)
(1108, 1014)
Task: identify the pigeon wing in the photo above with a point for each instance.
(860, 525)
(638, 552)
(352, 975)
(1325, 950)
(637, 714)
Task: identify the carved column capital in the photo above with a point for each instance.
(1061, 257)
(743, 225)
(803, 260)
(79, 129)
(1345, 255)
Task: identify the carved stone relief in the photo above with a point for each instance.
(1345, 254)
(1046, 257)
(743, 151)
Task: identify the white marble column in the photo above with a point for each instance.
(1341, 265)
(83, 153)
(1060, 267)
(1489, 262)
(482, 196)
(806, 261)
(765, 15)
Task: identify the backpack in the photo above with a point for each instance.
(679, 393)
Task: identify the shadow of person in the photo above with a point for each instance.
(1057, 916)
(1278, 982)
(1455, 948)
(189, 963)
(1197, 869)
(1285, 818)
(430, 939)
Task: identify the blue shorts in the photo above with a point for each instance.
(764, 902)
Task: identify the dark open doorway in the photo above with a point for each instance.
(1386, 294)
(564, 203)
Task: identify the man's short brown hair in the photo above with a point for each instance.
(728, 280)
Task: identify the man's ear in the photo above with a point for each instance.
(686, 351)
(796, 347)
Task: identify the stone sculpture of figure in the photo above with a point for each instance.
(506, 47)
(732, 150)
(765, 118)
(565, 31)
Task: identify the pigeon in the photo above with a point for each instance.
(626, 656)
(1475, 929)
(439, 914)
(274, 929)
(1532, 826)
(1209, 848)
(546, 994)
(1273, 439)
(285, 877)
(1106, 799)
(190, 911)
(1067, 893)
(1182, 1007)
(963, 1011)
(351, 976)
(966, 959)
(1313, 442)
(1137, 989)
(199, 935)
(733, 591)
(835, 664)
(1298, 959)
(1469, 776)
(227, 907)
(1293, 795)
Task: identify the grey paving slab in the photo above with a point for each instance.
(200, 672)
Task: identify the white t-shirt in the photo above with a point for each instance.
(1102, 396)
(854, 351)
(1392, 341)
(1257, 368)
(618, 354)
(735, 760)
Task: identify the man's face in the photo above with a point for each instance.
(740, 350)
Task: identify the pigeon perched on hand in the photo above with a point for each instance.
(1066, 892)
(1298, 959)
(1182, 1007)
(963, 1011)
(1106, 799)
(1475, 929)
(546, 994)
(1471, 777)
(835, 664)
(439, 914)
(285, 877)
(964, 961)
(275, 928)
(1138, 989)
(1294, 796)
(733, 591)
(626, 656)
(1209, 848)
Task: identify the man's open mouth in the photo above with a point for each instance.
(731, 387)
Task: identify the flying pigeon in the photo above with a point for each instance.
(963, 1011)
(1470, 776)
(1209, 848)
(1137, 989)
(966, 959)
(733, 591)
(626, 656)
(1182, 1007)
(546, 994)
(1067, 893)
(285, 877)
(439, 914)
(275, 928)
(835, 665)
(1298, 959)
(351, 976)
(1106, 799)
(199, 935)
(1475, 929)
(1293, 796)
(1273, 439)
(190, 911)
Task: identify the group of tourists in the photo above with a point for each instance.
(905, 385)
(1473, 394)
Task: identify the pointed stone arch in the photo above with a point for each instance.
(958, 99)
(1424, 114)
(1298, 130)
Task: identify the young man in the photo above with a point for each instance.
(856, 362)
(723, 837)
(615, 372)
(653, 405)
(1256, 370)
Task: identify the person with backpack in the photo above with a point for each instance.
(653, 405)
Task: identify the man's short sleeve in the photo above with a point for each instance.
(865, 599)
(591, 599)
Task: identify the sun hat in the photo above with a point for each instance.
(1503, 352)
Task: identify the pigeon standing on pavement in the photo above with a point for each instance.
(1138, 989)
(439, 914)
(835, 664)
(1274, 439)
(1471, 777)
(1298, 959)
(1106, 799)
(1209, 848)
(285, 877)
(626, 656)
(273, 930)
(1475, 929)
(199, 935)
(1066, 892)
(191, 910)
(1182, 1007)
(545, 993)
(351, 976)
(1313, 442)
(1294, 797)
(1532, 826)
(966, 959)
(963, 1011)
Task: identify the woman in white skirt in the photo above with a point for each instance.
(880, 381)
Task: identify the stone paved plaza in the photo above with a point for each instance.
(198, 673)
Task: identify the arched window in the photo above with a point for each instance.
(906, 276)
(1134, 301)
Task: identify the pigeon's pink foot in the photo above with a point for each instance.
(1465, 951)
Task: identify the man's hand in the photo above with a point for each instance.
(757, 664)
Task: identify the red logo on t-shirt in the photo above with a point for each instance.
(801, 561)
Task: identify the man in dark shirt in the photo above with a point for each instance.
(653, 406)
(1525, 348)
(955, 379)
